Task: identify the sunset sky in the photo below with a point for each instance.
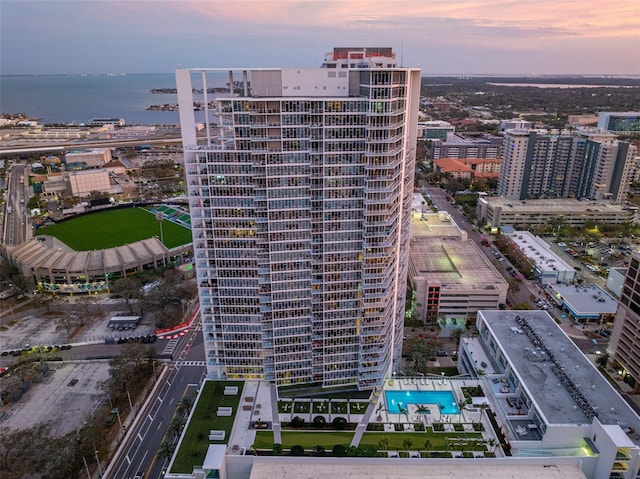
(439, 36)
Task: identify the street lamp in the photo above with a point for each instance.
(120, 421)
(155, 378)
(98, 461)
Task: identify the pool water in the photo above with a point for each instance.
(442, 399)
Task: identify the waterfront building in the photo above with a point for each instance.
(107, 121)
(625, 337)
(300, 195)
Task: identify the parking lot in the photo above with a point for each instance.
(70, 392)
(65, 407)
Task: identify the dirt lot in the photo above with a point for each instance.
(54, 401)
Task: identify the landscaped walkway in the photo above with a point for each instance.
(275, 425)
(362, 424)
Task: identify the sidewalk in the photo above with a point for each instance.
(362, 424)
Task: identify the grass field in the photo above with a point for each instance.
(195, 443)
(107, 229)
(395, 440)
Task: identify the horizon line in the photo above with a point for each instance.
(444, 74)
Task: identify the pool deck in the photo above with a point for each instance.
(260, 401)
(433, 415)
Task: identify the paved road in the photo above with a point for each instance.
(16, 227)
(138, 452)
(527, 289)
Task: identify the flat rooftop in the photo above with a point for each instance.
(544, 387)
(427, 224)
(453, 263)
(586, 299)
(558, 206)
(539, 252)
(434, 225)
(366, 468)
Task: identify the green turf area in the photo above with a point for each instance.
(307, 439)
(107, 229)
(195, 442)
(395, 440)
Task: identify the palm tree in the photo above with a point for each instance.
(406, 444)
(492, 444)
(184, 405)
(383, 443)
(166, 449)
(175, 426)
(427, 446)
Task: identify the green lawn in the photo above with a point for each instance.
(438, 440)
(195, 443)
(306, 439)
(311, 439)
(111, 228)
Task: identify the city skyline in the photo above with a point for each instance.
(441, 37)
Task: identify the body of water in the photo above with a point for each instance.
(79, 98)
(560, 85)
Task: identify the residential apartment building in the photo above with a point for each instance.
(534, 164)
(587, 164)
(603, 167)
(458, 146)
(300, 192)
(469, 168)
(625, 337)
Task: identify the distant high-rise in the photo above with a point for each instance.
(300, 209)
(603, 167)
(624, 347)
(588, 164)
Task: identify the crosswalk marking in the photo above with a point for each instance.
(191, 363)
(171, 345)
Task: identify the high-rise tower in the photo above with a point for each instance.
(300, 184)
(588, 164)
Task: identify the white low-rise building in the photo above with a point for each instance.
(547, 396)
(547, 266)
(585, 303)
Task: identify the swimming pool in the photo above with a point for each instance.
(443, 399)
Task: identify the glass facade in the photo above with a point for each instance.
(300, 216)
